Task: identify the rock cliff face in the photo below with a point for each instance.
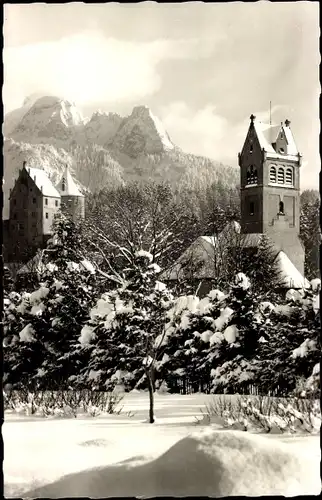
(104, 151)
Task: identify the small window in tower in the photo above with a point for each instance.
(272, 175)
(15, 201)
(33, 214)
(281, 208)
(46, 215)
(46, 201)
(63, 184)
(15, 216)
(251, 208)
(34, 200)
(251, 175)
(289, 177)
(251, 148)
(280, 176)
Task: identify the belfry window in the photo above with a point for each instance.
(280, 176)
(251, 175)
(281, 208)
(251, 208)
(63, 184)
(272, 175)
(289, 177)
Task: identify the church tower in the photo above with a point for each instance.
(72, 200)
(270, 187)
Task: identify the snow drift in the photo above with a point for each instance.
(208, 463)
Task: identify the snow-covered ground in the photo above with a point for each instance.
(171, 457)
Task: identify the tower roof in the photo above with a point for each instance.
(42, 182)
(267, 136)
(67, 185)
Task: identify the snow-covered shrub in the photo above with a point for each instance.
(267, 414)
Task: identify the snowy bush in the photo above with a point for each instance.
(268, 414)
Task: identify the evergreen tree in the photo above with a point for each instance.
(42, 347)
(234, 366)
(290, 346)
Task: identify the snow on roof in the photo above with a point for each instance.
(42, 182)
(290, 277)
(291, 146)
(67, 185)
(267, 135)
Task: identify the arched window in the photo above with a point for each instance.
(63, 184)
(272, 175)
(281, 208)
(280, 176)
(251, 176)
(289, 177)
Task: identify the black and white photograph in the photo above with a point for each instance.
(161, 249)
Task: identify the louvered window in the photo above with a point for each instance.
(289, 177)
(280, 176)
(272, 175)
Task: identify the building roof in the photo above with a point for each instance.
(42, 182)
(70, 187)
(290, 277)
(268, 134)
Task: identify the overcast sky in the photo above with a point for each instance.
(202, 68)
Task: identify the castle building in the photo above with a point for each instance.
(270, 204)
(33, 203)
(270, 187)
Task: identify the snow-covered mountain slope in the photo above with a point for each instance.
(141, 132)
(49, 120)
(105, 151)
(100, 129)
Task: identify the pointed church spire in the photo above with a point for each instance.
(67, 185)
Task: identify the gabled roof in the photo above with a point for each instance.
(290, 277)
(70, 187)
(267, 136)
(42, 182)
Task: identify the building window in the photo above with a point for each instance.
(289, 177)
(46, 201)
(15, 216)
(280, 176)
(272, 175)
(34, 225)
(251, 148)
(33, 214)
(281, 208)
(63, 184)
(251, 175)
(46, 215)
(56, 203)
(251, 208)
(34, 200)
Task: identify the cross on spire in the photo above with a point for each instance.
(252, 118)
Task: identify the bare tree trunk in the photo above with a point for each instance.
(151, 395)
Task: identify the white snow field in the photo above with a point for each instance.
(121, 455)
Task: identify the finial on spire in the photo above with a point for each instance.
(252, 118)
(287, 123)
